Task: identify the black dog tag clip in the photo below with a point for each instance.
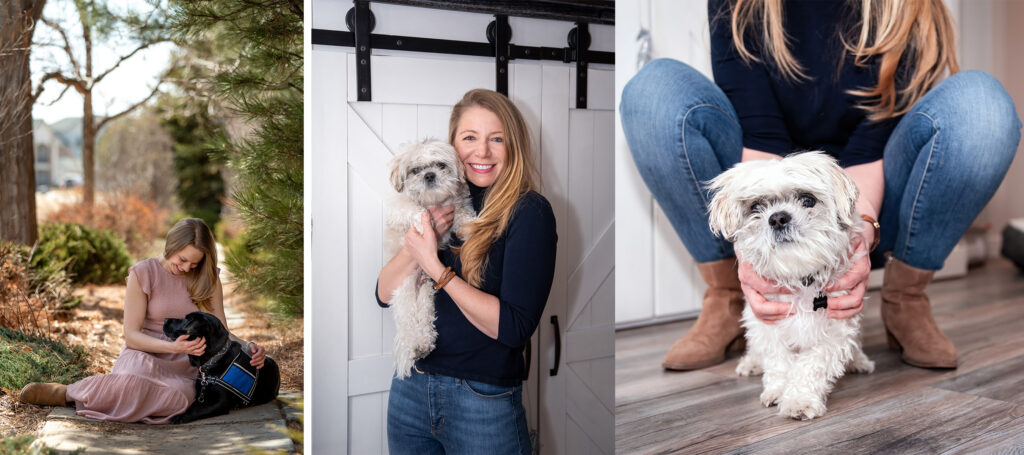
(821, 301)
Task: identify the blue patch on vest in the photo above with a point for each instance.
(240, 378)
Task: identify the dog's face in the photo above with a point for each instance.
(428, 172)
(789, 218)
(198, 324)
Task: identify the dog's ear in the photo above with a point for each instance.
(725, 214)
(459, 165)
(397, 173)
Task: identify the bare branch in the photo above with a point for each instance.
(67, 45)
(62, 92)
(78, 84)
(106, 120)
(125, 57)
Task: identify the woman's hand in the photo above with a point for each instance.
(442, 218)
(423, 248)
(195, 347)
(258, 354)
(855, 281)
(754, 287)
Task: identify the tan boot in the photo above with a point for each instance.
(717, 330)
(44, 394)
(907, 315)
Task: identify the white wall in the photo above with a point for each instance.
(663, 281)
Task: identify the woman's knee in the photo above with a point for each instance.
(660, 92)
(981, 111)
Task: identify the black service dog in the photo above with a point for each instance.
(225, 381)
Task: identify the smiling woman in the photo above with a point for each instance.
(152, 380)
(492, 290)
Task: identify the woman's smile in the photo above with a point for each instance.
(481, 168)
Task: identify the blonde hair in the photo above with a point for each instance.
(203, 278)
(920, 31)
(516, 179)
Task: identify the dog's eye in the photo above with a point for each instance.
(441, 166)
(415, 170)
(808, 201)
(756, 207)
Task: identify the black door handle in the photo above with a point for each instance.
(558, 345)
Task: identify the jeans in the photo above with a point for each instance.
(435, 414)
(942, 163)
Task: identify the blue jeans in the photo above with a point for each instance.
(435, 414)
(942, 164)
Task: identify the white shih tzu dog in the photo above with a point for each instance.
(427, 174)
(793, 220)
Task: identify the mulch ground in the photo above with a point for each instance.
(97, 324)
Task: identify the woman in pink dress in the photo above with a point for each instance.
(152, 379)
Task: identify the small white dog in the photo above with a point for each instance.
(427, 174)
(793, 220)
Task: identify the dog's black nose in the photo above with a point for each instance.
(429, 177)
(779, 220)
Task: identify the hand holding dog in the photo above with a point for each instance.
(855, 281)
(423, 247)
(754, 287)
(442, 218)
(194, 347)
(258, 354)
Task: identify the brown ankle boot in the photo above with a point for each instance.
(44, 394)
(907, 315)
(717, 329)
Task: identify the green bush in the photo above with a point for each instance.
(92, 256)
(25, 358)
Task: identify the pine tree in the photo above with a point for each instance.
(264, 86)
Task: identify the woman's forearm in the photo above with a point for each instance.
(141, 342)
(481, 309)
(870, 180)
(751, 155)
(393, 273)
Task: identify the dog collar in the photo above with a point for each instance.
(821, 301)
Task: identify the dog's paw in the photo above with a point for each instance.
(862, 366)
(770, 397)
(748, 366)
(801, 407)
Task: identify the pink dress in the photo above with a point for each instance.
(144, 387)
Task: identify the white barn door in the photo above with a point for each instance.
(352, 142)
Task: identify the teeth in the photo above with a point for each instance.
(482, 167)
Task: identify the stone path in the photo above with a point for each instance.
(239, 432)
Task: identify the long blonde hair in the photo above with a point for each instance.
(203, 279)
(920, 31)
(516, 179)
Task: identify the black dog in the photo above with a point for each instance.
(225, 381)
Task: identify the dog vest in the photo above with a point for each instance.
(239, 379)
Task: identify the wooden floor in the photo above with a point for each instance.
(977, 408)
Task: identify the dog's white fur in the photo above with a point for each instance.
(412, 303)
(803, 355)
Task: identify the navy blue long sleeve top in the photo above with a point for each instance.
(519, 270)
(780, 116)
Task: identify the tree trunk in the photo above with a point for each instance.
(88, 149)
(17, 157)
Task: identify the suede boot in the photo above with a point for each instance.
(907, 315)
(44, 394)
(717, 330)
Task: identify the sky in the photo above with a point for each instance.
(127, 85)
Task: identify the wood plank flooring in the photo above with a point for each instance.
(977, 408)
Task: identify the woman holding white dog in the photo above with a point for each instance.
(861, 80)
(466, 395)
(152, 380)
